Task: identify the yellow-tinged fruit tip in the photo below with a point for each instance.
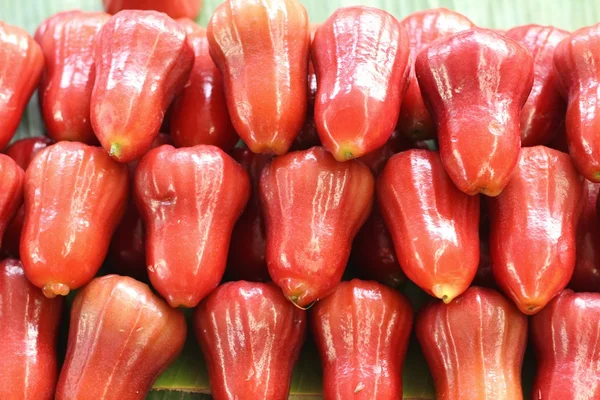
(52, 290)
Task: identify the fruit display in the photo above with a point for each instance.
(533, 226)
(424, 27)
(279, 199)
(487, 334)
(255, 357)
(118, 324)
(475, 94)
(134, 85)
(261, 48)
(360, 56)
(434, 226)
(189, 200)
(362, 333)
(68, 41)
(74, 196)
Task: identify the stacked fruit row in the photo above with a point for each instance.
(320, 111)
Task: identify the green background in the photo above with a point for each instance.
(187, 379)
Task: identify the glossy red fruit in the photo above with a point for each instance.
(423, 27)
(28, 330)
(474, 346)
(313, 207)
(377, 159)
(21, 68)
(127, 251)
(544, 112)
(41, 30)
(577, 62)
(189, 25)
(312, 76)
(475, 94)
(586, 275)
(565, 337)
(121, 337)
(434, 226)
(373, 249)
(261, 48)
(68, 42)
(247, 249)
(189, 199)
(22, 151)
(173, 8)
(254, 357)
(533, 228)
(362, 333)
(143, 59)
(199, 112)
(12, 180)
(360, 55)
(75, 196)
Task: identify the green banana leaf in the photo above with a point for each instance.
(187, 378)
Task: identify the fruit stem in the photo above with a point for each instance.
(115, 150)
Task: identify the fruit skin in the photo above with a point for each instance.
(21, 69)
(577, 62)
(543, 114)
(434, 226)
(189, 25)
(199, 112)
(475, 94)
(189, 199)
(261, 48)
(41, 30)
(173, 8)
(586, 275)
(68, 40)
(313, 206)
(565, 336)
(247, 249)
(127, 251)
(12, 180)
(121, 337)
(423, 27)
(75, 196)
(28, 330)
(22, 151)
(377, 159)
(254, 357)
(312, 75)
(135, 85)
(373, 249)
(474, 346)
(360, 55)
(533, 227)
(362, 333)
